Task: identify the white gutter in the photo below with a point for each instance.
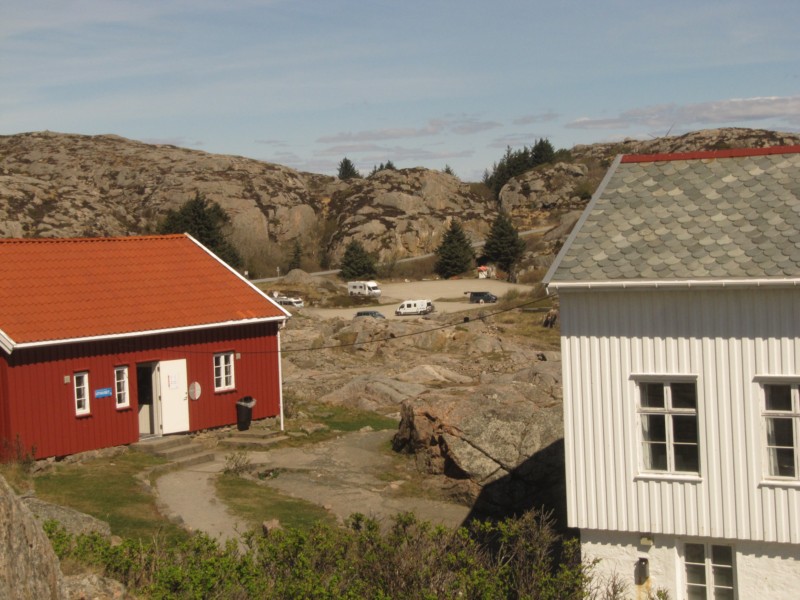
(116, 336)
(674, 284)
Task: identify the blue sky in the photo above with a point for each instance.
(428, 83)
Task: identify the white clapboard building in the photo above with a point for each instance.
(679, 294)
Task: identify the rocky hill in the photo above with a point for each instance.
(62, 185)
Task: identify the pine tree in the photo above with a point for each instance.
(297, 256)
(455, 253)
(357, 263)
(347, 170)
(205, 221)
(503, 246)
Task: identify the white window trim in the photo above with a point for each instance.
(709, 565)
(84, 377)
(670, 474)
(226, 371)
(793, 381)
(125, 392)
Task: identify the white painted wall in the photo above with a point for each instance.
(763, 570)
(727, 338)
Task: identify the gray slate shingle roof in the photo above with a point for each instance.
(728, 215)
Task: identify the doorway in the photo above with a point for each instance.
(163, 397)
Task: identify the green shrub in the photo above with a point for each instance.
(406, 558)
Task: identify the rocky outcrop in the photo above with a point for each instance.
(496, 438)
(60, 185)
(29, 569)
(73, 521)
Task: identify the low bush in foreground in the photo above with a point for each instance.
(515, 558)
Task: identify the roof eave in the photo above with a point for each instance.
(131, 334)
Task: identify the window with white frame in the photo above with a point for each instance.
(710, 572)
(669, 431)
(223, 371)
(81, 393)
(121, 387)
(781, 412)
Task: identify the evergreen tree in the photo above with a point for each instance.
(357, 263)
(297, 255)
(205, 221)
(503, 246)
(347, 170)
(455, 253)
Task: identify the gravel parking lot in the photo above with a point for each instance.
(447, 296)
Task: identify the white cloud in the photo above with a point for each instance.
(734, 110)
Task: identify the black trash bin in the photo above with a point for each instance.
(244, 412)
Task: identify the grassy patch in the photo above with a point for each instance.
(257, 503)
(340, 418)
(108, 489)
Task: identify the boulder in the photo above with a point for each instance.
(29, 569)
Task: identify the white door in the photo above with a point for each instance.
(173, 395)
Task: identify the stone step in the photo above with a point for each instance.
(193, 459)
(238, 441)
(156, 445)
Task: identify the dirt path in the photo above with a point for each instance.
(342, 475)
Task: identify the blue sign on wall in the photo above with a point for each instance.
(103, 393)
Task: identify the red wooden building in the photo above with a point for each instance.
(104, 341)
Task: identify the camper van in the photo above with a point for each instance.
(363, 288)
(414, 307)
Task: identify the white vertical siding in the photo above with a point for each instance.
(726, 338)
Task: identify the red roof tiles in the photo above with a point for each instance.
(57, 289)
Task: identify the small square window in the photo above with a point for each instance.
(121, 392)
(668, 425)
(781, 414)
(710, 572)
(81, 393)
(223, 372)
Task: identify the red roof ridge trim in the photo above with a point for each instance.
(130, 238)
(709, 154)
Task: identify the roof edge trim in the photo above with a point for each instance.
(118, 336)
(585, 215)
(710, 154)
(285, 312)
(682, 284)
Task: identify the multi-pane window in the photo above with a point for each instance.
(223, 371)
(782, 421)
(81, 393)
(710, 572)
(668, 416)
(121, 387)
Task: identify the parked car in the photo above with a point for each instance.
(293, 302)
(414, 307)
(369, 313)
(481, 297)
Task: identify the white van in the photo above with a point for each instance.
(363, 288)
(414, 307)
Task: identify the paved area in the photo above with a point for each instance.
(343, 475)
